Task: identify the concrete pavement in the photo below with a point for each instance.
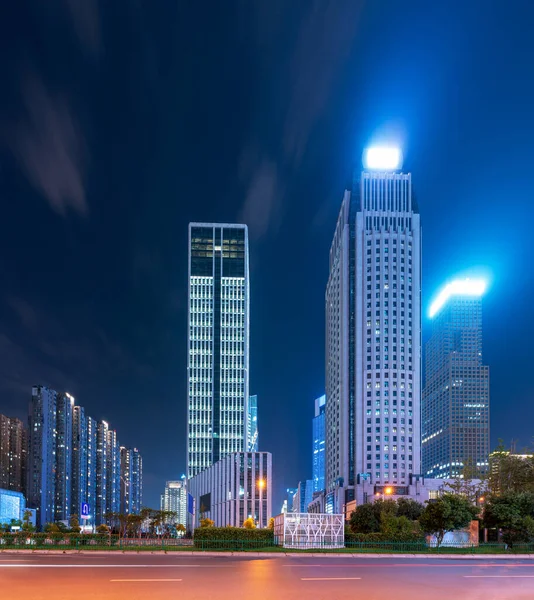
(223, 577)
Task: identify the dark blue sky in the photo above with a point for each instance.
(121, 121)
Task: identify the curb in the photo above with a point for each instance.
(288, 555)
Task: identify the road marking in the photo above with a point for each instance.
(407, 565)
(136, 580)
(74, 566)
(498, 576)
(328, 578)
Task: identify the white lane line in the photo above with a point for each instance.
(498, 576)
(34, 566)
(328, 578)
(136, 580)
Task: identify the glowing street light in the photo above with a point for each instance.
(261, 483)
(459, 287)
(388, 491)
(382, 158)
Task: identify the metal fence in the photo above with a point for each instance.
(113, 542)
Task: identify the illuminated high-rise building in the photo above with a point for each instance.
(131, 481)
(373, 335)
(218, 336)
(113, 464)
(63, 487)
(79, 459)
(42, 454)
(456, 398)
(101, 471)
(319, 442)
(252, 424)
(13, 454)
(174, 499)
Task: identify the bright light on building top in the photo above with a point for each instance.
(385, 158)
(459, 287)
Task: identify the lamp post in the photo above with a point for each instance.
(388, 491)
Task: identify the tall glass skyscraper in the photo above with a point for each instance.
(131, 481)
(218, 336)
(456, 399)
(13, 454)
(373, 338)
(64, 408)
(252, 424)
(318, 425)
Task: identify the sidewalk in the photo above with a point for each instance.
(198, 553)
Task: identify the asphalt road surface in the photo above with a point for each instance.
(158, 577)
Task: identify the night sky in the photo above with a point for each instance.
(121, 121)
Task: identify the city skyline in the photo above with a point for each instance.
(136, 146)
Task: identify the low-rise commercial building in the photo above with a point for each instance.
(234, 489)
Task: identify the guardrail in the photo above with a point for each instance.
(114, 542)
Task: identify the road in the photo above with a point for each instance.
(158, 577)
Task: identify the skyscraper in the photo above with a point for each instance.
(79, 459)
(373, 335)
(252, 424)
(42, 453)
(174, 499)
(101, 471)
(63, 470)
(456, 401)
(218, 335)
(13, 454)
(318, 449)
(131, 481)
(113, 465)
(92, 428)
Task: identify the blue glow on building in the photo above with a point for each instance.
(12, 506)
(318, 468)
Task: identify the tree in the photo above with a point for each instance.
(271, 524)
(448, 513)
(249, 523)
(365, 519)
(103, 528)
(180, 529)
(398, 528)
(509, 472)
(470, 482)
(51, 528)
(411, 509)
(133, 525)
(513, 514)
(27, 525)
(206, 522)
(74, 524)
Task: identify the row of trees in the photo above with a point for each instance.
(405, 519)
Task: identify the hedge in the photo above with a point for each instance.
(227, 537)
(355, 538)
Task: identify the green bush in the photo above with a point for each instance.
(232, 537)
(381, 538)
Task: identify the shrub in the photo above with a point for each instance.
(232, 537)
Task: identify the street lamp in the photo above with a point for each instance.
(388, 491)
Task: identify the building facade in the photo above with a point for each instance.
(456, 397)
(113, 476)
(235, 488)
(131, 481)
(319, 443)
(79, 460)
(252, 424)
(41, 493)
(63, 456)
(303, 496)
(174, 499)
(13, 454)
(12, 506)
(373, 338)
(218, 343)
